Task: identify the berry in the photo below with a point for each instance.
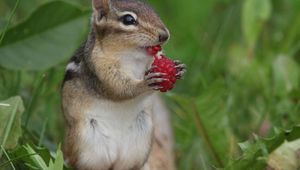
(162, 64)
(154, 50)
(151, 51)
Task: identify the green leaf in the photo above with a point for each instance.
(255, 13)
(35, 157)
(49, 36)
(32, 156)
(286, 75)
(10, 117)
(256, 152)
(58, 164)
(35, 160)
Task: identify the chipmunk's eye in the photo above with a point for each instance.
(128, 20)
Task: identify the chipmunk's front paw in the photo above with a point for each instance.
(153, 80)
(181, 69)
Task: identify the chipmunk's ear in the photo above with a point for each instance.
(101, 8)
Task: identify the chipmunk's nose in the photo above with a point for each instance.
(164, 36)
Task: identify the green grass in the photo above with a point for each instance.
(243, 78)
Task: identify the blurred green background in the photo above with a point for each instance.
(243, 79)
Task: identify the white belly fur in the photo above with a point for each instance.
(120, 135)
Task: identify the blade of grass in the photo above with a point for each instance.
(203, 163)
(3, 78)
(204, 134)
(4, 104)
(43, 132)
(9, 125)
(295, 49)
(220, 39)
(16, 159)
(292, 35)
(34, 98)
(8, 158)
(9, 20)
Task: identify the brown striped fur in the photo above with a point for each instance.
(100, 76)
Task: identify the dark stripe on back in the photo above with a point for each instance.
(77, 58)
(70, 74)
(79, 54)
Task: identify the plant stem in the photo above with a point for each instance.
(203, 133)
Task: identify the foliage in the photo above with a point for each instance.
(256, 153)
(45, 37)
(242, 82)
(10, 114)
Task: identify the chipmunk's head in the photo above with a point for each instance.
(127, 24)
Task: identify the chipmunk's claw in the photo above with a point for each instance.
(180, 66)
(154, 75)
(180, 75)
(154, 79)
(181, 69)
(151, 70)
(155, 87)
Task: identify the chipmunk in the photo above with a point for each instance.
(114, 119)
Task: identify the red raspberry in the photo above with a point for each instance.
(154, 50)
(165, 65)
